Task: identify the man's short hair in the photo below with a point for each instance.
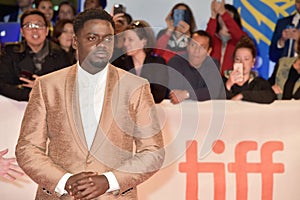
(33, 12)
(204, 34)
(89, 14)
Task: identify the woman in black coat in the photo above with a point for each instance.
(140, 60)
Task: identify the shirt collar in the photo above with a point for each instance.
(86, 76)
(296, 19)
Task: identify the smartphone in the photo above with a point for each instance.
(26, 74)
(179, 15)
(187, 16)
(239, 68)
(119, 8)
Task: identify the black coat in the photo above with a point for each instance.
(203, 83)
(257, 90)
(276, 53)
(16, 58)
(154, 70)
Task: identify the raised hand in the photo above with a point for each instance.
(219, 7)
(170, 22)
(183, 27)
(8, 167)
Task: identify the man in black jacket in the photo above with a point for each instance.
(24, 61)
(195, 75)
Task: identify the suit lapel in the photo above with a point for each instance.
(109, 106)
(73, 109)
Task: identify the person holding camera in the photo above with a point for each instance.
(244, 84)
(174, 39)
(285, 35)
(225, 27)
(35, 56)
(121, 20)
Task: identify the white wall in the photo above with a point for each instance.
(155, 11)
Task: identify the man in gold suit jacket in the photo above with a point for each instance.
(90, 131)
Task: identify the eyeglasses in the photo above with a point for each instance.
(29, 26)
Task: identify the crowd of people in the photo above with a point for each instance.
(47, 45)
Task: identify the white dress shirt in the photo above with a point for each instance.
(91, 96)
(296, 19)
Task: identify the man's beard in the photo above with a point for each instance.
(99, 63)
(94, 61)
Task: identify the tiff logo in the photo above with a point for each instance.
(240, 167)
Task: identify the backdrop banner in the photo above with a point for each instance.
(255, 152)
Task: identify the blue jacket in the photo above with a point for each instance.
(274, 52)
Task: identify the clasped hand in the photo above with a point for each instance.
(86, 185)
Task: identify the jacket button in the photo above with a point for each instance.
(89, 162)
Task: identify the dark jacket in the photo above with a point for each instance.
(276, 53)
(203, 83)
(256, 90)
(17, 57)
(154, 70)
(9, 12)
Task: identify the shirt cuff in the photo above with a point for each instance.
(112, 181)
(60, 187)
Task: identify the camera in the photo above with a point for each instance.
(183, 15)
(119, 8)
(239, 68)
